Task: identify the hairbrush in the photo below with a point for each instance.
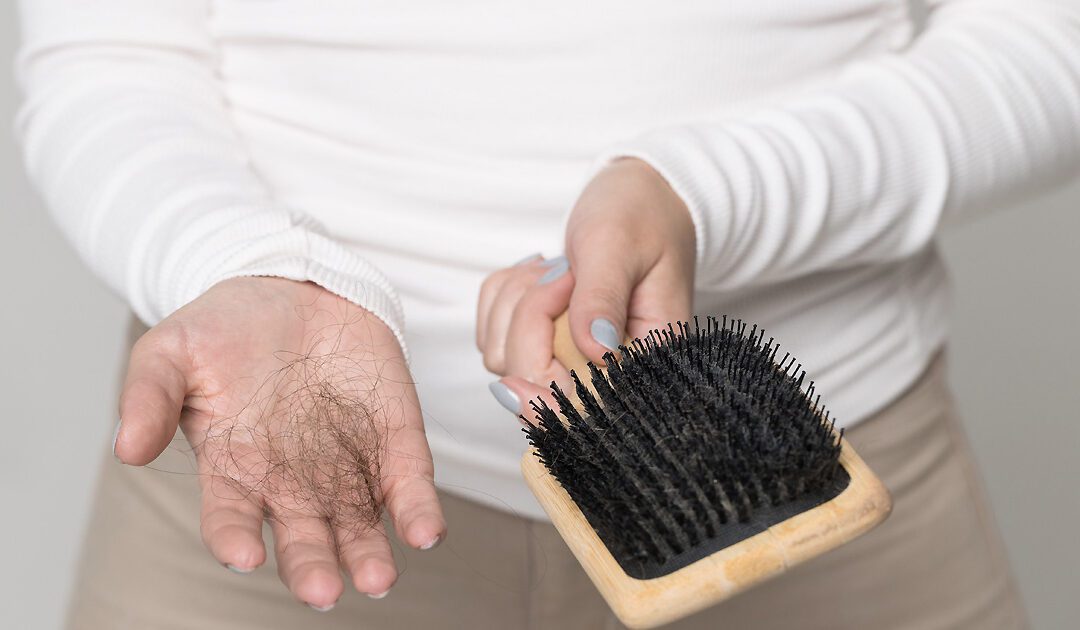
(692, 467)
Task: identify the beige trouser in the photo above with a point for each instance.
(936, 563)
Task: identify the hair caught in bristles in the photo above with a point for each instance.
(694, 433)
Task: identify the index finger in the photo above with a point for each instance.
(530, 339)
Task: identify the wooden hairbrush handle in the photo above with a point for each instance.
(566, 351)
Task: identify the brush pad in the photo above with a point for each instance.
(695, 438)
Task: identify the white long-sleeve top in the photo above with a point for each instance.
(398, 152)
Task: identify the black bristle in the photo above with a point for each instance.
(694, 439)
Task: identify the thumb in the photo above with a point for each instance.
(152, 399)
(600, 302)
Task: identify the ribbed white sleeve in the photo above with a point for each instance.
(982, 108)
(127, 135)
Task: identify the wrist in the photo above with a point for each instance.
(630, 199)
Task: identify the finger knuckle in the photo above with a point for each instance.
(162, 339)
(495, 278)
(487, 285)
(511, 292)
(495, 362)
(602, 298)
(148, 394)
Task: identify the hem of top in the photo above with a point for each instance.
(890, 387)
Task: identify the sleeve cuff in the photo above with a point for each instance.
(275, 243)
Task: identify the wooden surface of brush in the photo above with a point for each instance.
(647, 603)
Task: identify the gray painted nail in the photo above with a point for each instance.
(236, 569)
(506, 397)
(603, 331)
(322, 608)
(557, 268)
(553, 261)
(528, 259)
(116, 434)
(431, 545)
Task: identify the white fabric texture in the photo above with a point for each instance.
(396, 153)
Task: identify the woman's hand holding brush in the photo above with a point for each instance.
(628, 267)
(698, 466)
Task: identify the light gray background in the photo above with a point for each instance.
(1014, 368)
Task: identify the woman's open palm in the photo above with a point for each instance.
(300, 409)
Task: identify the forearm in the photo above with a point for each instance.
(982, 109)
(128, 136)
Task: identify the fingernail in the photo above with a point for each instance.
(603, 331)
(438, 539)
(506, 397)
(322, 608)
(379, 595)
(116, 434)
(556, 268)
(528, 259)
(236, 569)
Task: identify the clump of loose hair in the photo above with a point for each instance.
(309, 441)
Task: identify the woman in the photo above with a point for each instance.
(272, 186)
